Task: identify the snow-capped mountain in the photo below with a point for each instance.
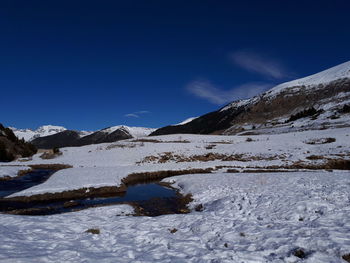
(29, 135)
(317, 101)
(75, 138)
(133, 131)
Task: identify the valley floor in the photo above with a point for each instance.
(261, 203)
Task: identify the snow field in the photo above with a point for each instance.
(246, 218)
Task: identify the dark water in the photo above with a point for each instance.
(23, 182)
(152, 198)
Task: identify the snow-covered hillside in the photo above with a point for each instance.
(185, 121)
(29, 135)
(341, 71)
(338, 72)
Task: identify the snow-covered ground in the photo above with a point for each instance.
(7, 171)
(247, 217)
(114, 161)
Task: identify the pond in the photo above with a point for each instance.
(150, 199)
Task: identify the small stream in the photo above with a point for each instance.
(151, 199)
(30, 179)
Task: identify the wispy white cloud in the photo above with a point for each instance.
(262, 65)
(136, 114)
(208, 91)
(132, 115)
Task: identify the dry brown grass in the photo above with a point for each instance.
(321, 141)
(170, 156)
(94, 231)
(158, 141)
(49, 154)
(144, 177)
(337, 164)
(346, 257)
(105, 191)
(210, 146)
(222, 142)
(54, 166)
(315, 157)
(122, 146)
(174, 230)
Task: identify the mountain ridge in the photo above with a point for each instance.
(68, 138)
(276, 105)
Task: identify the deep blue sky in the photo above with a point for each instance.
(86, 64)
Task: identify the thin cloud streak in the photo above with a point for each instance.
(132, 115)
(206, 90)
(136, 114)
(255, 63)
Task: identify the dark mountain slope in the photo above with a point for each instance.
(321, 91)
(11, 147)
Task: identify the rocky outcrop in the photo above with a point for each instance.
(11, 147)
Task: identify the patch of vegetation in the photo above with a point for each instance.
(321, 141)
(345, 109)
(51, 154)
(95, 231)
(158, 141)
(210, 146)
(54, 166)
(171, 157)
(174, 230)
(144, 177)
(346, 257)
(5, 155)
(305, 113)
(299, 253)
(314, 157)
(199, 208)
(249, 139)
(12, 147)
(56, 150)
(337, 164)
(122, 146)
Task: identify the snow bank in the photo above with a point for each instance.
(11, 171)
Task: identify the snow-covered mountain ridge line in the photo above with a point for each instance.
(68, 138)
(29, 135)
(327, 91)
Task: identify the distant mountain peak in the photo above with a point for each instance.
(45, 130)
